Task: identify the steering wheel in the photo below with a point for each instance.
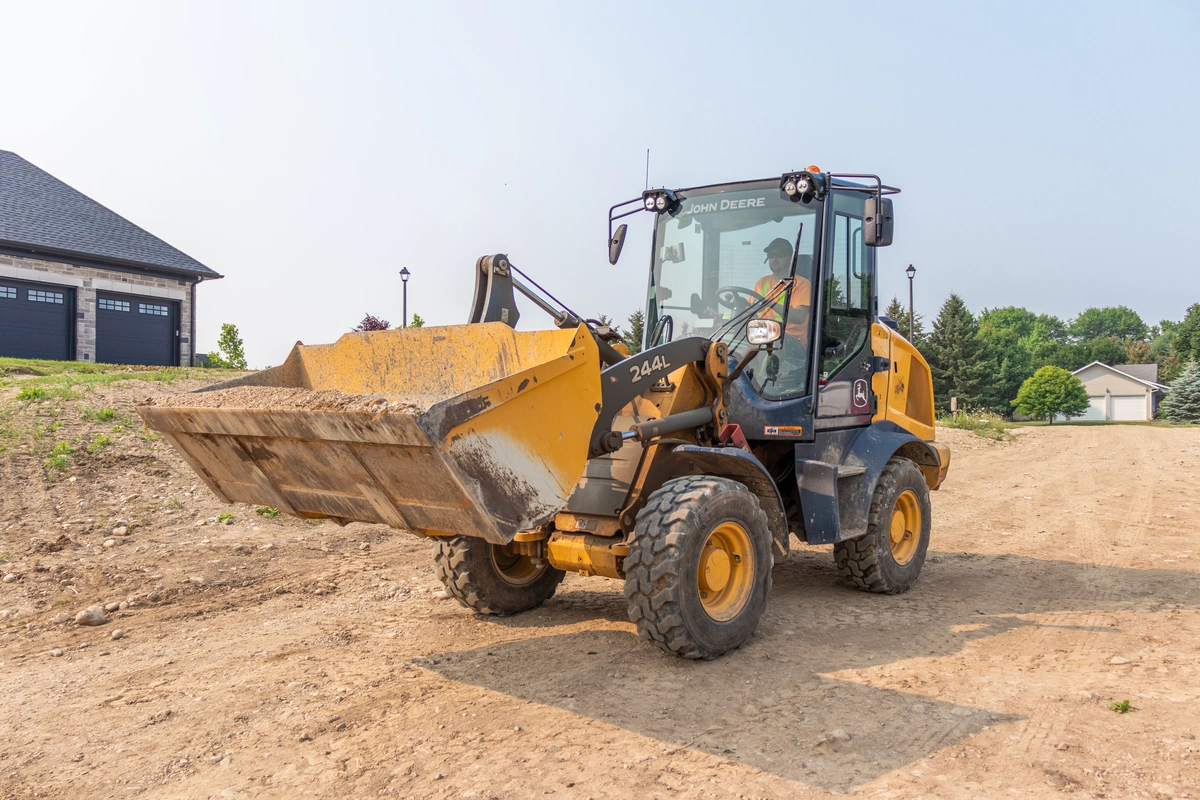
(737, 298)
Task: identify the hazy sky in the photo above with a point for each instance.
(1047, 151)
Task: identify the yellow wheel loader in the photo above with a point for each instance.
(769, 399)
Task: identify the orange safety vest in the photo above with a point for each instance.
(801, 298)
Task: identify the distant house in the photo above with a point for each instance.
(1130, 392)
(79, 282)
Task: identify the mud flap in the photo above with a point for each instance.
(817, 482)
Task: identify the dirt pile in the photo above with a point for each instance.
(278, 398)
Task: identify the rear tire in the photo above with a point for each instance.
(489, 579)
(699, 567)
(889, 558)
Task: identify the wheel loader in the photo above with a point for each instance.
(769, 400)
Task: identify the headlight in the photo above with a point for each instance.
(650, 203)
(789, 187)
(660, 202)
(802, 186)
(763, 331)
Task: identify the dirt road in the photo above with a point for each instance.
(276, 658)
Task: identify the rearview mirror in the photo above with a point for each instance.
(616, 243)
(877, 222)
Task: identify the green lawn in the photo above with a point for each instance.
(41, 379)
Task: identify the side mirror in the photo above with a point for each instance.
(616, 243)
(878, 222)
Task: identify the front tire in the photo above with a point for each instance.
(699, 567)
(490, 579)
(889, 558)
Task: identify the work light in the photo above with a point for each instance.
(660, 200)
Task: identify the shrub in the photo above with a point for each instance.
(981, 422)
(372, 323)
(267, 511)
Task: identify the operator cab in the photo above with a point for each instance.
(718, 250)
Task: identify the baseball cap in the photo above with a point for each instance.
(778, 247)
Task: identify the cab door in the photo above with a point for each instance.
(843, 347)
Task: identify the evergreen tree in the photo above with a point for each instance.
(633, 336)
(899, 313)
(1049, 392)
(1182, 403)
(959, 365)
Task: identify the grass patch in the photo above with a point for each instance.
(33, 394)
(99, 415)
(5, 558)
(224, 516)
(1122, 707)
(60, 458)
(98, 443)
(267, 511)
(64, 376)
(981, 423)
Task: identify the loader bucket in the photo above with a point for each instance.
(477, 429)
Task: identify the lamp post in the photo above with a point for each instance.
(910, 272)
(404, 273)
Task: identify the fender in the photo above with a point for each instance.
(727, 462)
(836, 481)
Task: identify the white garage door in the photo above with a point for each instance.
(1095, 408)
(1129, 408)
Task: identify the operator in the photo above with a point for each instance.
(779, 259)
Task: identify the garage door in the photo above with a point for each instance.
(36, 320)
(1095, 408)
(1129, 408)
(136, 330)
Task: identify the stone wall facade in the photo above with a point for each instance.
(88, 280)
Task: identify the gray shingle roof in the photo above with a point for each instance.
(39, 212)
(1144, 372)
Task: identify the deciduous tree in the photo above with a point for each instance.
(1049, 392)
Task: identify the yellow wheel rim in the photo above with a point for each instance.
(725, 578)
(514, 567)
(905, 530)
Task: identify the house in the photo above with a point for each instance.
(1129, 392)
(80, 282)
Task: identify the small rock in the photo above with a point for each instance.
(1064, 746)
(1119, 660)
(959, 711)
(72, 479)
(200, 523)
(92, 615)
(120, 530)
(111, 607)
(228, 520)
(839, 735)
(56, 652)
(154, 597)
(216, 759)
(918, 708)
(62, 618)
(10, 578)
(267, 546)
(118, 634)
(124, 604)
(364, 546)
(518, 729)
(84, 504)
(441, 594)
(281, 590)
(110, 542)
(5, 614)
(305, 737)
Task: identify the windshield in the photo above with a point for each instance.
(720, 253)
